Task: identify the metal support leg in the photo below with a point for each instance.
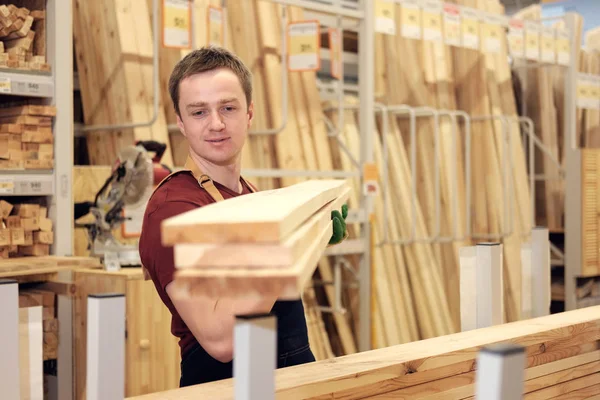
(540, 267)
(255, 360)
(105, 347)
(500, 373)
(9, 337)
(526, 282)
(468, 288)
(490, 304)
(481, 299)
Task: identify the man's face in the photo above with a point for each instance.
(214, 115)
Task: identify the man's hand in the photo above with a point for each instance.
(340, 232)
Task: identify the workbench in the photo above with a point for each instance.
(152, 362)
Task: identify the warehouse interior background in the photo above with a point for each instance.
(472, 137)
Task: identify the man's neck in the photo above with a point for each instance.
(228, 175)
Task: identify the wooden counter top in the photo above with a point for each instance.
(558, 343)
(27, 268)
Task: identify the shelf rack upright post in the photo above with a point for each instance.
(56, 88)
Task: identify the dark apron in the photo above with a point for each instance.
(197, 366)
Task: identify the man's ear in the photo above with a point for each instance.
(180, 124)
(250, 113)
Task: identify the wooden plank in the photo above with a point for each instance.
(283, 281)
(267, 216)
(244, 255)
(548, 340)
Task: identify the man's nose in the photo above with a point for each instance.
(216, 122)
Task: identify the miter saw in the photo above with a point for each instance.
(128, 187)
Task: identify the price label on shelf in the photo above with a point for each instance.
(304, 46)
(7, 185)
(516, 38)
(215, 26)
(385, 17)
(410, 17)
(371, 183)
(585, 92)
(177, 24)
(492, 31)
(595, 92)
(5, 85)
(432, 20)
(532, 41)
(563, 47)
(470, 27)
(452, 24)
(335, 47)
(547, 45)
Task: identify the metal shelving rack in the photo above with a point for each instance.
(56, 88)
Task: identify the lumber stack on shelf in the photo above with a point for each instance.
(26, 136)
(23, 36)
(25, 230)
(547, 114)
(47, 300)
(562, 361)
(114, 55)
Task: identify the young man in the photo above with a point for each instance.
(211, 90)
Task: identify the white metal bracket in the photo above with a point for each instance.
(481, 286)
(105, 347)
(255, 357)
(500, 373)
(9, 337)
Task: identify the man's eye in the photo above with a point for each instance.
(230, 108)
(197, 112)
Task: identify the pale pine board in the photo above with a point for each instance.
(244, 255)
(267, 216)
(562, 337)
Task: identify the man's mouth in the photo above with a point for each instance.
(218, 140)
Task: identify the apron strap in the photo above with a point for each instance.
(204, 181)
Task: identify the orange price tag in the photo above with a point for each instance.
(371, 184)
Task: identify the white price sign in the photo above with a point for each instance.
(563, 47)
(410, 17)
(215, 26)
(5, 85)
(304, 44)
(432, 20)
(7, 186)
(385, 17)
(516, 38)
(470, 27)
(177, 24)
(452, 25)
(548, 46)
(532, 41)
(493, 30)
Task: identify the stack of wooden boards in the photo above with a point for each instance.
(25, 230)
(264, 244)
(26, 139)
(23, 36)
(542, 96)
(32, 297)
(562, 362)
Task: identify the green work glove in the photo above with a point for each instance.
(339, 225)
